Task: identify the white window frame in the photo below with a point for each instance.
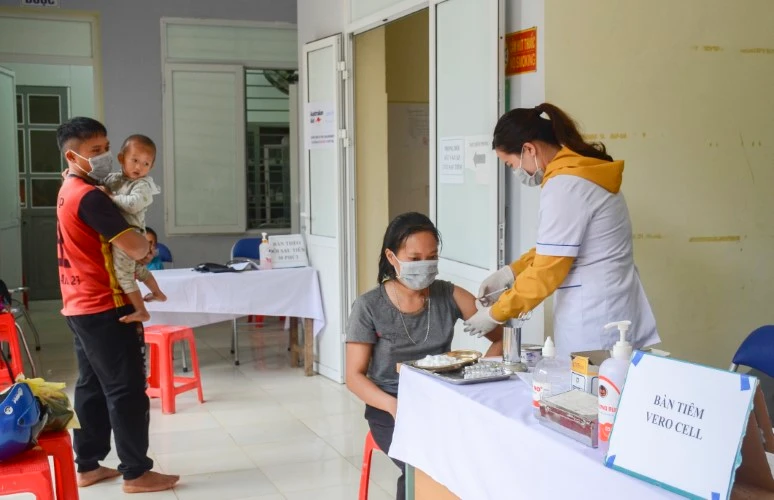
(172, 226)
(169, 173)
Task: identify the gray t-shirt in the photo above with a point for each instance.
(375, 320)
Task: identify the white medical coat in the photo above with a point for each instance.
(583, 220)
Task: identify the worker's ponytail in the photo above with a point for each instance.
(522, 125)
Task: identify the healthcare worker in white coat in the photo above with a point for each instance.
(583, 254)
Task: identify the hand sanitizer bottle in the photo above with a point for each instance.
(264, 252)
(612, 375)
(552, 376)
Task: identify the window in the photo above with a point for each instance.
(227, 131)
(268, 149)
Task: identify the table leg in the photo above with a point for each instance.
(409, 482)
(294, 347)
(308, 347)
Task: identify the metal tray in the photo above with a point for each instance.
(457, 377)
(466, 357)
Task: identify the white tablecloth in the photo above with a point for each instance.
(195, 299)
(482, 442)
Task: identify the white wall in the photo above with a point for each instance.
(131, 78)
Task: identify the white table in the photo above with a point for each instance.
(481, 441)
(196, 299)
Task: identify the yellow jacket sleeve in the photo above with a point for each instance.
(518, 266)
(537, 281)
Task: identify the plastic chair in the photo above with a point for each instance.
(246, 248)
(757, 351)
(59, 446)
(10, 333)
(164, 253)
(365, 470)
(28, 473)
(161, 380)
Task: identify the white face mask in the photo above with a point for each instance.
(417, 274)
(101, 166)
(524, 177)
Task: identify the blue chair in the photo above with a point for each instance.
(164, 253)
(246, 248)
(757, 351)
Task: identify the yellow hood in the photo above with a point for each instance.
(606, 174)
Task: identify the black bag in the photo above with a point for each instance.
(5, 297)
(211, 267)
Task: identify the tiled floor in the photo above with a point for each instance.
(265, 432)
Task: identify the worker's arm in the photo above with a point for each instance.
(518, 266)
(533, 285)
(99, 213)
(466, 303)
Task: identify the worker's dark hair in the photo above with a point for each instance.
(140, 139)
(148, 229)
(396, 235)
(76, 130)
(522, 125)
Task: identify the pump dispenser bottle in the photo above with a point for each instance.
(264, 252)
(612, 375)
(552, 376)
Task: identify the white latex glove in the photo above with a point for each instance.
(495, 284)
(481, 323)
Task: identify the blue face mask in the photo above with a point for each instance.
(417, 274)
(101, 166)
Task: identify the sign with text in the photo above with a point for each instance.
(521, 52)
(320, 125)
(288, 251)
(451, 160)
(40, 3)
(681, 425)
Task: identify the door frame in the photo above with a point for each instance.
(16, 222)
(343, 236)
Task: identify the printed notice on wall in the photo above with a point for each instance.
(479, 157)
(451, 161)
(521, 52)
(320, 125)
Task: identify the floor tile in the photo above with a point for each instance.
(228, 485)
(225, 458)
(292, 451)
(312, 476)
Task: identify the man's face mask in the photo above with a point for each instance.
(101, 166)
(417, 274)
(524, 177)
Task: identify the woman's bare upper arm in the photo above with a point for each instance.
(358, 357)
(465, 301)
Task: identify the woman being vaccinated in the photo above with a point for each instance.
(408, 316)
(583, 254)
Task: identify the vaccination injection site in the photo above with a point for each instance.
(386, 249)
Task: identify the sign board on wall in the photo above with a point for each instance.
(320, 125)
(40, 3)
(288, 251)
(521, 52)
(699, 417)
(451, 160)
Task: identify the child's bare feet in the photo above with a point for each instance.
(155, 297)
(150, 482)
(95, 476)
(136, 317)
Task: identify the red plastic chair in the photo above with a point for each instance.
(162, 381)
(27, 473)
(59, 446)
(365, 471)
(9, 335)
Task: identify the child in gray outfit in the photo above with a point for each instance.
(132, 192)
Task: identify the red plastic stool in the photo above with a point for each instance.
(27, 473)
(365, 471)
(9, 335)
(162, 381)
(59, 446)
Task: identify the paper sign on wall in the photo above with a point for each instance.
(451, 161)
(320, 125)
(479, 157)
(681, 426)
(521, 52)
(288, 251)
